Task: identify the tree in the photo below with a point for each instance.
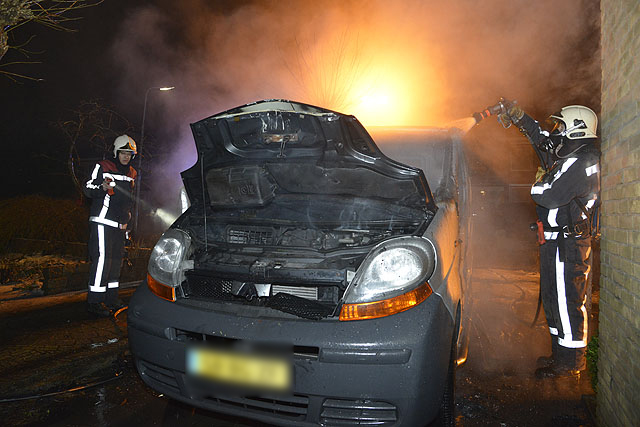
(327, 71)
(90, 135)
(14, 14)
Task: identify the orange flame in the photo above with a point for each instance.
(379, 83)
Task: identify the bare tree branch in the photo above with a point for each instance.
(53, 14)
(90, 134)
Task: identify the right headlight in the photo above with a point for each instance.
(167, 263)
(391, 279)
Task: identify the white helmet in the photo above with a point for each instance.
(124, 143)
(574, 122)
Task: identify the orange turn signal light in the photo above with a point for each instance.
(387, 307)
(160, 289)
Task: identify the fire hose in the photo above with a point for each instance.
(501, 110)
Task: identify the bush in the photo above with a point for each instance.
(44, 218)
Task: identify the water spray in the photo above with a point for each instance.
(165, 216)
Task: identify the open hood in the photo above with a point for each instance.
(287, 154)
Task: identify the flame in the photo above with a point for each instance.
(377, 99)
(382, 84)
(393, 95)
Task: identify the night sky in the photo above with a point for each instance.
(462, 55)
(76, 66)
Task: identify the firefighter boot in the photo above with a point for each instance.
(98, 309)
(112, 301)
(567, 362)
(544, 361)
(115, 305)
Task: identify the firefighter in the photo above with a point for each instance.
(110, 188)
(567, 199)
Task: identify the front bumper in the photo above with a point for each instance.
(388, 371)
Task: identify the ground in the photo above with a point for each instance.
(496, 386)
(24, 275)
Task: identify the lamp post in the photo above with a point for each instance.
(139, 176)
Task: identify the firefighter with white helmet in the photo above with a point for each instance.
(110, 188)
(567, 200)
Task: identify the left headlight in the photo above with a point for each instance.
(391, 279)
(167, 263)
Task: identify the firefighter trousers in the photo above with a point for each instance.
(564, 276)
(106, 250)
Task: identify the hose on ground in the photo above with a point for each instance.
(55, 393)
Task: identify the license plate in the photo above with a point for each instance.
(240, 369)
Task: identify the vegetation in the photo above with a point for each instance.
(44, 218)
(592, 361)
(14, 14)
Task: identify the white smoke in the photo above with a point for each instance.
(461, 55)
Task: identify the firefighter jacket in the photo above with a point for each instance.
(111, 208)
(567, 195)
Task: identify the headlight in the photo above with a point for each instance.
(166, 263)
(392, 278)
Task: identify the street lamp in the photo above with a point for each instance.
(139, 176)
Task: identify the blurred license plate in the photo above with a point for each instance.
(240, 369)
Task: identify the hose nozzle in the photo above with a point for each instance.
(500, 108)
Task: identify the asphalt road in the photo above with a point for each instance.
(60, 367)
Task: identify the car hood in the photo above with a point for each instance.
(280, 160)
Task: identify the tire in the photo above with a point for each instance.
(446, 415)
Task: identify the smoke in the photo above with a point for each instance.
(455, 57)
(410, 62)
(437, 60)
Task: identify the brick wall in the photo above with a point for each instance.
(619, 353)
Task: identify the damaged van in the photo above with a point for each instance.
(313, 280)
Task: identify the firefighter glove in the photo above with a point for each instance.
(515, 113)
(108, 184)
(504, 120)
(540, 173)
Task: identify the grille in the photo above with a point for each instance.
(250, 235)
(161, 378)
(307, 292)
(293, 407)
(308, 302)
(299, 306)
(209, 287)
(358, 412)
